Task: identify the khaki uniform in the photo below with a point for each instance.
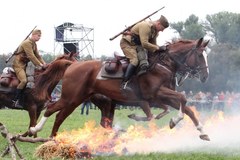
(148, 38)
(27, 51)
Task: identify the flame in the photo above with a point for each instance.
(101, 140)
(94, 140)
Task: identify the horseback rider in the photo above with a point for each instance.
(27, 51)
(135, 44)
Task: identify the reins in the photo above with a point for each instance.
(184, 70)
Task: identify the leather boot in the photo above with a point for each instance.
(16, 99)
(143, 69)
(143, 60)
(128, 74)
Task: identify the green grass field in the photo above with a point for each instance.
(17, 122)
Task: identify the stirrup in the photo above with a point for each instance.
(141, 72)
(143, 69)
(16, 104)
(125, 87)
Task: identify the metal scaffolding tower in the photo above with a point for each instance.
(75, 38)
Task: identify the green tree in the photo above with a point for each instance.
(48, 57)
(190, 29)
(223, 61)
(225, 27)
(3, 63)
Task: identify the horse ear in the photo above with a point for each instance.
(199, 42)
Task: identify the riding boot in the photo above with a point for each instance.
(143, 60)
(128, 74)
(143, 69)
(16, 99)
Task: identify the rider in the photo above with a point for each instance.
(27, 51)
(135, 44)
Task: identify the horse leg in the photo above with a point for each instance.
(51, 108)
(146, 109)
(32, 112)
(178, 101)
(175, 120)
(174, 99)
(165, 111)
(108, 115)
(105, 104)
(60, 117)
(111, 114)
(198, 125)
(38, 113)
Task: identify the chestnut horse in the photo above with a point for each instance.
(157, 86)
(33, 99)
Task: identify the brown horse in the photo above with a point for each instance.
(107, 105)
(157, 86)
(33, 99)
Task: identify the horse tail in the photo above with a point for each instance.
(47, 81)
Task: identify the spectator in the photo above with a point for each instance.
(86, 104)
(221, 98)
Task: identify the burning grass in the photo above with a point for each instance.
(91, 140)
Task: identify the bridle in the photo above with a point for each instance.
(195, 69)
(190, 71)
(185, 69)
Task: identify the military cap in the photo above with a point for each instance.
(36, 31)
(163, 20)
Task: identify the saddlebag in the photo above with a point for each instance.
(5, 79)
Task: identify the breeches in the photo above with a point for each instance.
(129, 51)
(21, 75)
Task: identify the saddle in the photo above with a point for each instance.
(114, 67)
(8, 78)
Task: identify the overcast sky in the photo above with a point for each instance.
(106, 17)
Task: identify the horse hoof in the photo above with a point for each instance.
(158, 117)
(204, 137)
(132, 116)
(171, 124)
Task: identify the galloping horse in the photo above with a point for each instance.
(157, 86)
(33, 99)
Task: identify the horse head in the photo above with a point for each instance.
(197, 61)
(190, 58)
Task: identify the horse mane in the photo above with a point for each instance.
(174, 48)
(181, 41)
(177, 45)
(69, 57)
(46, 81)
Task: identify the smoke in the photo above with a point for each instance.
(224, 133)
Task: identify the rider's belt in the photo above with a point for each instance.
(23, 57)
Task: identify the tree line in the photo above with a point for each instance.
(223, 29)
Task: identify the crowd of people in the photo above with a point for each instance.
(222, 101)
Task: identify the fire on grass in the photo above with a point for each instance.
(91, 140)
